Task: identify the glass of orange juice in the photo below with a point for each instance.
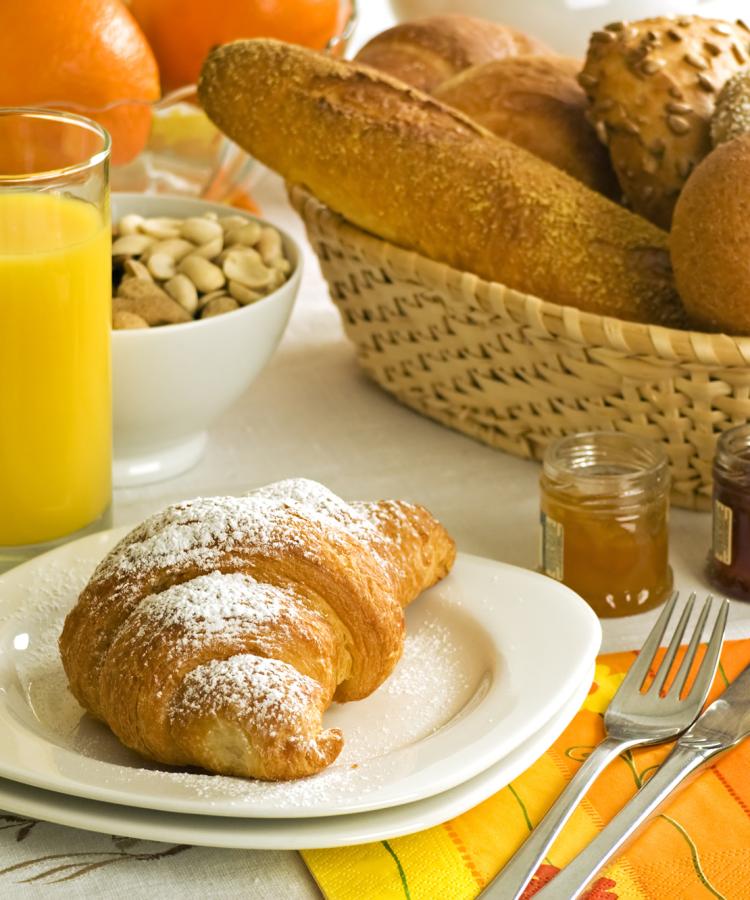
(55, 296)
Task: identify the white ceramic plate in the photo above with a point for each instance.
(289, 834)
(492, 652)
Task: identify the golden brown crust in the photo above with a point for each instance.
(710, 240)
(426, 52)
(731, 118)
(403, 166)
(536, 102)
(653, 87)
(218, 632)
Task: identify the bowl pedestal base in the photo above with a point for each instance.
(150, 464)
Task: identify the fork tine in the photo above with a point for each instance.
(680, 679)
(639, 670)
(666, 664)
(705, 676)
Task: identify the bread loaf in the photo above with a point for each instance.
(536, 102)
(653, 86)
(426, 52)
(710, 240)
(398, 163)
(731, 117)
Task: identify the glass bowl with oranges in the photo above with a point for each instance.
(142, 86)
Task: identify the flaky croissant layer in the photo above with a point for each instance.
(219, 631)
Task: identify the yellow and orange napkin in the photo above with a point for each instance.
(697, 849)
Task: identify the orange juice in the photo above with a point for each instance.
(55, 396)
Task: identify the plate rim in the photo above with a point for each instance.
(233, 808)
(269, 834)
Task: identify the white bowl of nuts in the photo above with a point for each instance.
(202, 294)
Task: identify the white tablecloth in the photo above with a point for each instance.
(312, 413)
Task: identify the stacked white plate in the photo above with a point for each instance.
(496, 663)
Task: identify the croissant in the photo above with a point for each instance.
(218, 631)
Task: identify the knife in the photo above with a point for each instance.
(722, 726)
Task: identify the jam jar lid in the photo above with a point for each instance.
(732, 457)
(609, 464)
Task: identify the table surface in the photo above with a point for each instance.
(312, 413)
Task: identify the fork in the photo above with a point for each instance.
(634, 718)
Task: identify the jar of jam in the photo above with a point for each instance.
(604, 520)
(729, 560)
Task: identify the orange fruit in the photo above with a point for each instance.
(80, 55)
(182, 32)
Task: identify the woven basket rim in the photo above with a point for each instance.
(668, 344)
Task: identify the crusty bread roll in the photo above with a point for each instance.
(653, 86)
(731, 118)
(536, 102)
(400, 164)
(710, 240)
(426, 52)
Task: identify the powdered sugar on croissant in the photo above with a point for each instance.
(219, 631)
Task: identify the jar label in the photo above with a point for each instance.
(552, 544)
(722, 536)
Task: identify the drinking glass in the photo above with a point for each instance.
(55, 299)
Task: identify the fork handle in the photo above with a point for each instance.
(518, 872)
(572, 880)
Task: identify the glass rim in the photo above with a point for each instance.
(731, 443)
(62, 116)
(652, 463)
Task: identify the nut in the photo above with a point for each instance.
(228, 223)
(282, 265)
(269, 245)
(247, 234)
(246, 267)
(148, 301)
(136, 269)
(242, 294)
(161, 266)
(182, 289)
(131, 245)
(176, 248)
(210, 249)
(129, 224)
(219, 305)
(204, 274)
(200, 230)
(207, 298)
(122, 320)
(161, 227)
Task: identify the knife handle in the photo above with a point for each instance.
(573, 879)
(516, 874)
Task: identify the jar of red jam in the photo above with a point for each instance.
(604, 520)
(729, 560)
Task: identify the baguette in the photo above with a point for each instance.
(403, 166)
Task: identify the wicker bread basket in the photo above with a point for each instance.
(514, 371)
